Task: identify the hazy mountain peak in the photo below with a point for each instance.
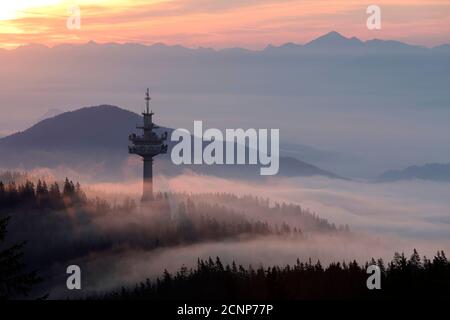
(334, 39)
(333, 35)
(102, 126)
(162, 45)
(288, 46)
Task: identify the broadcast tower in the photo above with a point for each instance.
(149, 145)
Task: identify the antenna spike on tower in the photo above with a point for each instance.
(147, 99)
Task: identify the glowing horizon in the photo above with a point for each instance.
(220, 23)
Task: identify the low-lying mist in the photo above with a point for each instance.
(115, 269)
(383, 219)
(117, 242)
(409, 209)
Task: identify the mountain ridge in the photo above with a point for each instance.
(428, 171)
(104, 129)
(330, 39)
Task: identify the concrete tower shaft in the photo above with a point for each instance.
(147, 194)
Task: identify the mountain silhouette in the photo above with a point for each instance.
(104, 127)
(330, 40)
(429, 171)
(334, 39)
(335, 43)
(100, 135)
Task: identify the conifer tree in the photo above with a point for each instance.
(15, 282)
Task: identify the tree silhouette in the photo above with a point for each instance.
(14, 280)
(212, 280)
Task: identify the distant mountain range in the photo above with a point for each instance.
(329, 65)
(430, 171)
(330, 40)
(99, 135)
(328, 92)
(338, 43)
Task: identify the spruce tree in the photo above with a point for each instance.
(15, 282)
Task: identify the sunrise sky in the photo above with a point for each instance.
(219, 23)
